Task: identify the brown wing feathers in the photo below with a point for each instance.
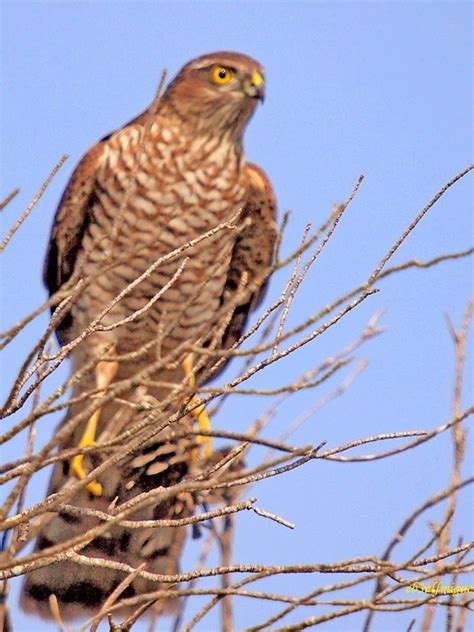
(69, 225)
(253, 251)
(70, 221)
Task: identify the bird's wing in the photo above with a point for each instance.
(73, 216)
(69, 225)
(71, 219)
(252, 254)
(73, 212)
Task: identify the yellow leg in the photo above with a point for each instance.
(198, 411)
(104, 374)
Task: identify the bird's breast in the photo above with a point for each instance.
(153, 197)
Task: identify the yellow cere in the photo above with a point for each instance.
(257, 79)
(221, 75)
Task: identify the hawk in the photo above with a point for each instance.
(170, 233)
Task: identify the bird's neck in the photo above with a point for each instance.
(197, 121)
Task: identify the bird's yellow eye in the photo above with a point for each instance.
(221, 75)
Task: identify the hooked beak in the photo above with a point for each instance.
(254, 86)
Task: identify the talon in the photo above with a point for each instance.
(76, 469)
(77, 463)
(105, 372)
(198, 411)
(204, 423)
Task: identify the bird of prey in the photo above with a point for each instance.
(168, 232)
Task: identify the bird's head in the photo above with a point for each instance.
(218, 91)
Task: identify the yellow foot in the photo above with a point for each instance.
(198, 411)
(77, 463)
(77, 469)
(104, 374)
(204, 423)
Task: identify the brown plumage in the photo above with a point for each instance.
(171, 175)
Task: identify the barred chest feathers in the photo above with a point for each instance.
(163, 173)
(157, 190)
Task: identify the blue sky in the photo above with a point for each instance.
(375, 88)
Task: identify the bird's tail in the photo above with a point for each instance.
(105, 561)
